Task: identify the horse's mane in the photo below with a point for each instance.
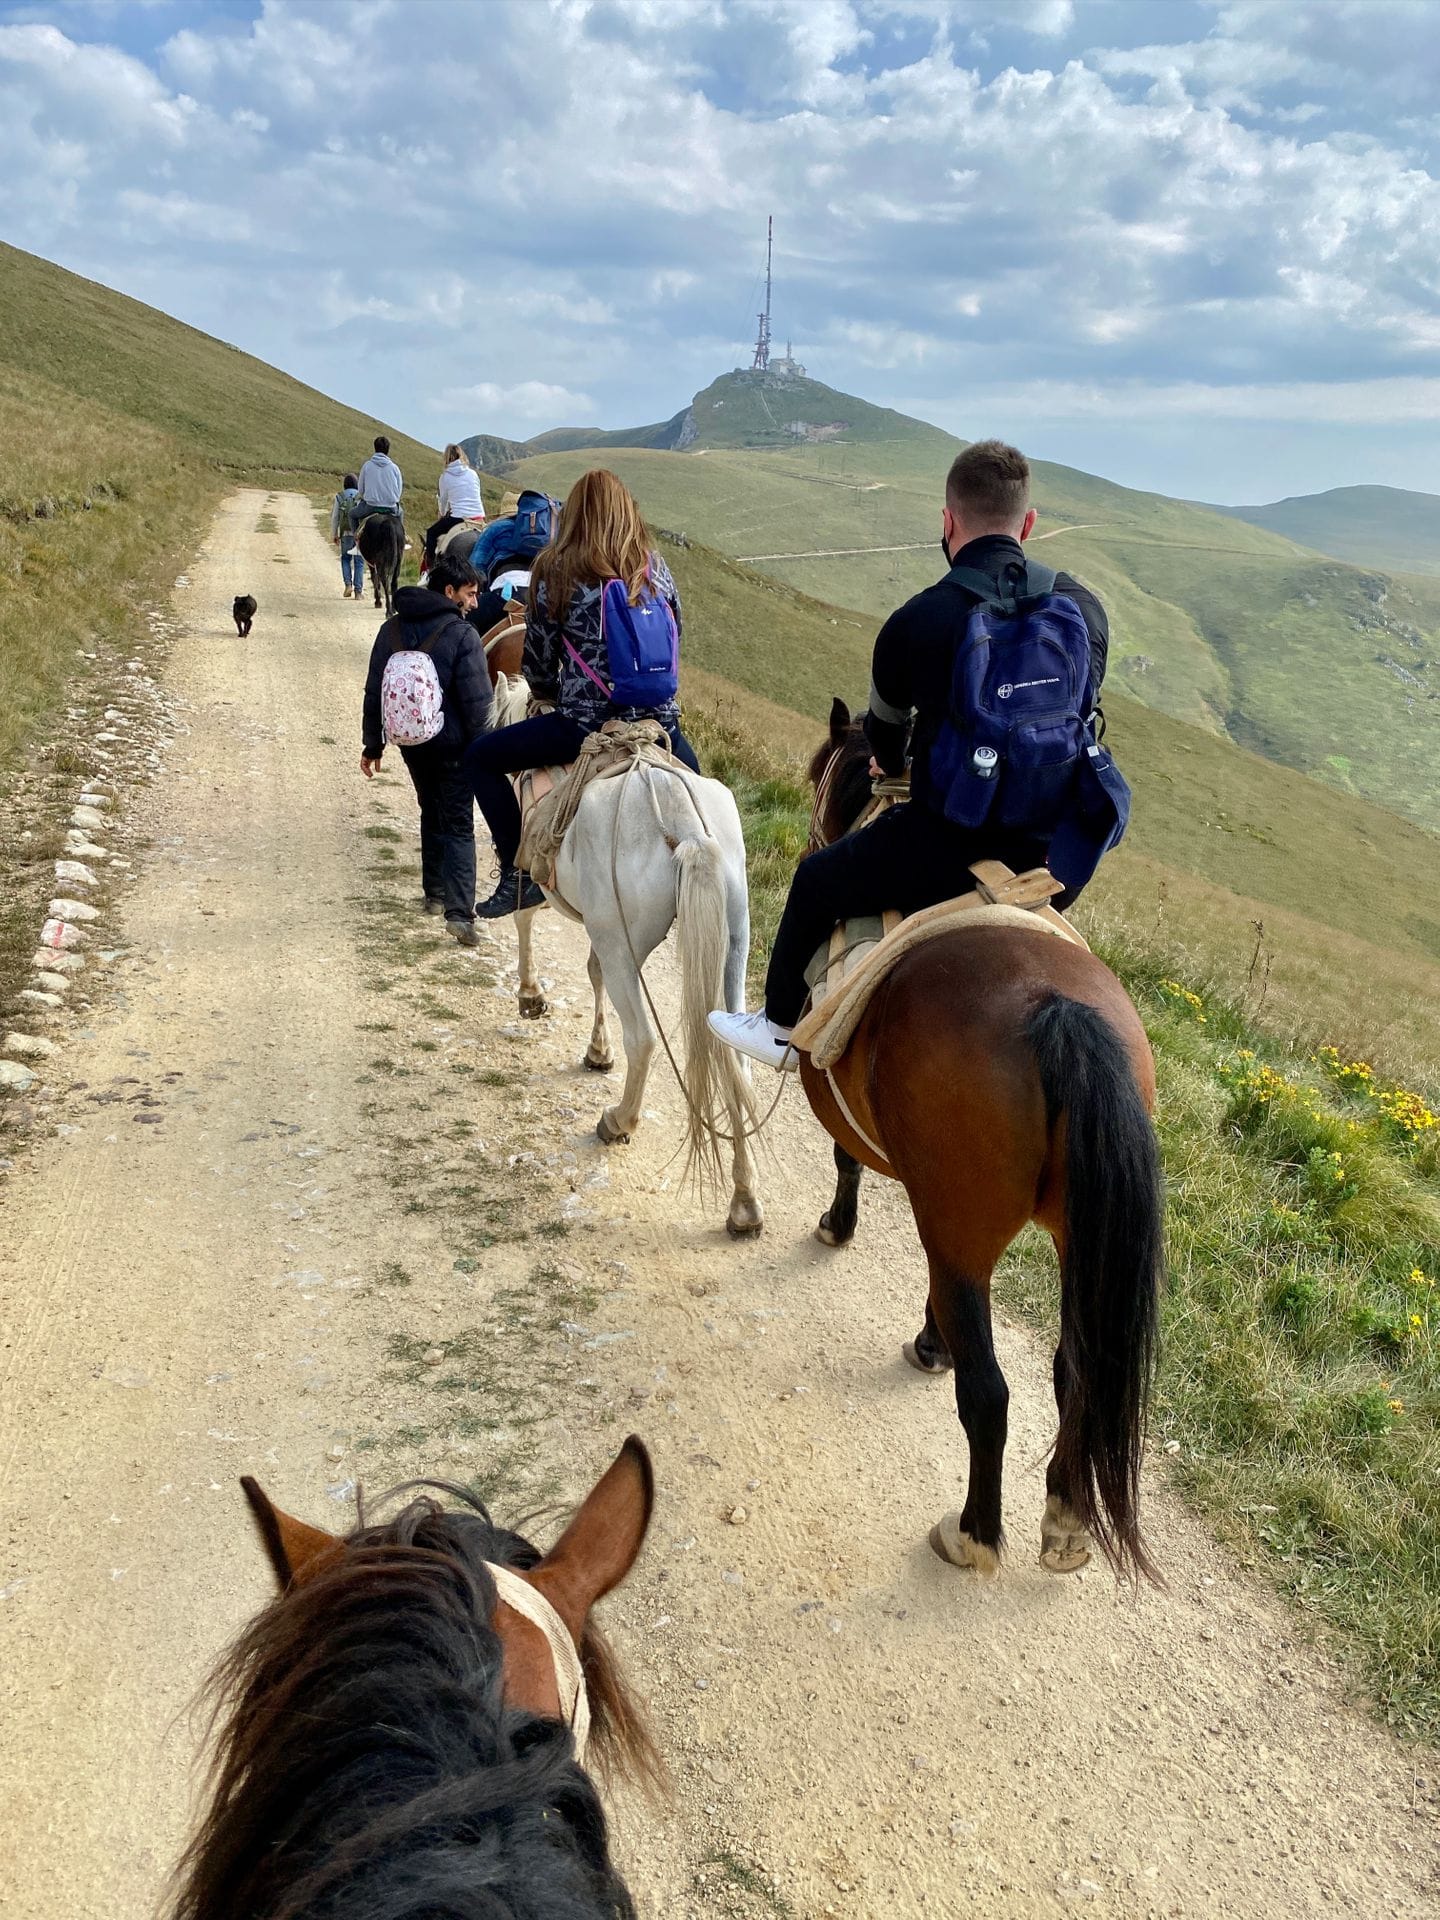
(366, 1767)
(850, 784)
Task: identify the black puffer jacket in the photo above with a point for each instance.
(434, 625)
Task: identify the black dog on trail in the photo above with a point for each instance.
(244, 611)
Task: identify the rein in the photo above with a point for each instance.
(522, 1598)
(886, 792)
(702, 1120)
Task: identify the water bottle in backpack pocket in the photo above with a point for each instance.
(412, 706)
(1011, 747)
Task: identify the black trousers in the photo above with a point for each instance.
(433, 533)
(447, 827)
(910, 858)
(549, 740)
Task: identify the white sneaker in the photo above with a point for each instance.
(758, 1036)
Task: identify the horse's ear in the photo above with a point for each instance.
(601, 1543)
(839, 721)
(296, 1550)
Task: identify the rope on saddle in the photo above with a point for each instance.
(618, 748)
(827, 1029)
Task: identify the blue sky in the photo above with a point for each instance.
(1193, 245)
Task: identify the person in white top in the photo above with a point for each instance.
(459, 494)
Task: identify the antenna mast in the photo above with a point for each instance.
(762, 336)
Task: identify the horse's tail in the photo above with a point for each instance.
(1111, 1274)
(715, 1082)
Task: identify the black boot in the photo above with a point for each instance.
(515, 893)
(505, 899)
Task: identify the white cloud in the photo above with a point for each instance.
(522, 400)
(559, 218)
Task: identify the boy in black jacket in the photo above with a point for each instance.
(432, 619)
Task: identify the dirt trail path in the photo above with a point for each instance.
(352, 1153)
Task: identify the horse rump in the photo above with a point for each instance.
(243, 611)
(1112, 1268)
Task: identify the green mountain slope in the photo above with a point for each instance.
(1385, 527)
(121, 428)
(1348, 892)
(1329, 669)
(101, 499)
(216, 402)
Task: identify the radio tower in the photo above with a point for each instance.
(762, 336)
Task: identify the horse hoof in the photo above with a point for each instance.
(609, 1131)
(533, 1006)
(953, 1544)
(912, 1353)
(603, 1064)
(1064, 1543)
(828, 1237)
(746, 1219)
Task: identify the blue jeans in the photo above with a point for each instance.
(352, 567)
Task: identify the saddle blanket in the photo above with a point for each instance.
(846, 971)
(460, 539)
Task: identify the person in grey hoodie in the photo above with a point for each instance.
(381, 482)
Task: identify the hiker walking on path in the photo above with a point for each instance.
(459, 498)
(601, 540)
(381, 482)
(342, 535)
(428, 690)
(918, 854)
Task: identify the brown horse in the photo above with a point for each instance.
(401, 1729)
(1005, 1077)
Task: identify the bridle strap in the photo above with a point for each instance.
(818, 838)
(522, 1598)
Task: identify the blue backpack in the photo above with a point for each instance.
(519, 536)
(1017, 750)
(535, 517)
(642, 647)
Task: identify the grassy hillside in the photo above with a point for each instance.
(215, 402)
(1329, 669)
(1387, 527)
(121, 428)
(1347, 892)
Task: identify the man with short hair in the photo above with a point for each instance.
(432, 618)
(913, 856)
(381, 483)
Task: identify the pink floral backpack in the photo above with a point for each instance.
(412, 707)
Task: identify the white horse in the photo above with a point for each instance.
(649, 849)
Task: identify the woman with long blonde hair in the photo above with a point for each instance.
(601, 538)
(459, 498)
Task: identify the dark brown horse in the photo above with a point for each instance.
(1005, 1077)
(381, 540)
(398, 1731)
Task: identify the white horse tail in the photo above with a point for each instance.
(715, 1082)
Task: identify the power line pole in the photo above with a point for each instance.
(762, 337)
